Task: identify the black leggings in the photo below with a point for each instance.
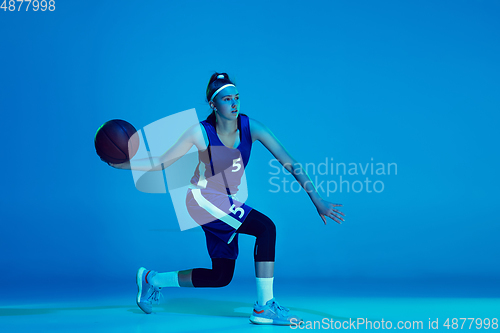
(256, 224)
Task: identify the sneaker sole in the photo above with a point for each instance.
(267, 321)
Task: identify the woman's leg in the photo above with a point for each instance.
(261, 226)
(255, 224)
(149, 282)
(220, 275)
(266, 310)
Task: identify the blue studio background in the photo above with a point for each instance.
(414, 83)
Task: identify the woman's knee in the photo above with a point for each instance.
(268, 226)
(263, 224)
(224, 279)
(224, 270)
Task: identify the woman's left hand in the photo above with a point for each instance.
(326, 208)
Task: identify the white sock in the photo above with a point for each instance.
(169, 279)
(264, 290)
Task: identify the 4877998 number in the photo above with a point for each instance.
(34, 5)
(478, 323)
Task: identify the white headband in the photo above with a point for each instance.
(217, 91)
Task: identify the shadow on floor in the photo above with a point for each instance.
(4, 312)
(194, 306)
(207, 307)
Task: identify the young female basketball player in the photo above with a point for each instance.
(224, 150)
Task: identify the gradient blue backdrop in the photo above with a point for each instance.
(408, 82)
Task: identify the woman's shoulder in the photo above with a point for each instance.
(198, 135)
(257, 128)
(257, 124)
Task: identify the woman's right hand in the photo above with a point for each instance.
(326, 208)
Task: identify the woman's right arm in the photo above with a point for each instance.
(155, 163)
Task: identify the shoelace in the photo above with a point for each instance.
(279, 307)
(155, 294)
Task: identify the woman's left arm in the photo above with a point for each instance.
(263, 134)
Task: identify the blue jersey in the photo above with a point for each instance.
(220, 168)
(211, 200)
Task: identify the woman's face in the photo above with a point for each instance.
(227, 103)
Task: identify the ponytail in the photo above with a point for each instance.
(216, 81)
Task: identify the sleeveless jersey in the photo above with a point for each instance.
(211, 200)
(220, 168)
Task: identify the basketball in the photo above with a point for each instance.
(115, 141)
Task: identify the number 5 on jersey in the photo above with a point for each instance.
(236, 164)
(237, 210)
